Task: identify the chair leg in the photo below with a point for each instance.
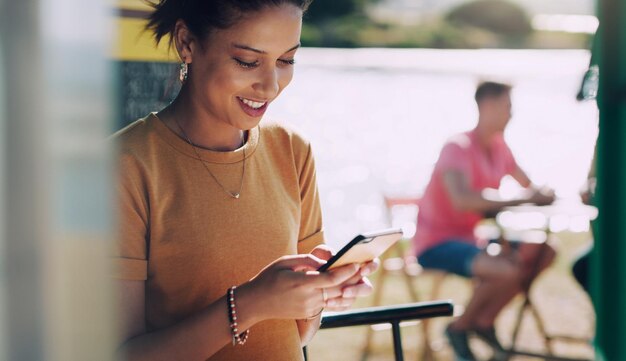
(377, 296)
(366, 347)
(533, 309)
(540, 326)
(528, 305)
(410, 287)
(428, 354)
(518, 323)
(436, 286)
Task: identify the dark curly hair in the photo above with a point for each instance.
(202, 16)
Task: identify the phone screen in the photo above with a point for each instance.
(364, 248)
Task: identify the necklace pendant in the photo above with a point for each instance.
(243, 167)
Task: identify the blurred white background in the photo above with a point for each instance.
(377, 119)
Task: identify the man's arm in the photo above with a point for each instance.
(466, 199)
(520, 176)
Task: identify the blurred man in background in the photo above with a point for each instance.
(453, 203)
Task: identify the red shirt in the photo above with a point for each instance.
(438, 221)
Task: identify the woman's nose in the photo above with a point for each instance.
(268, 85)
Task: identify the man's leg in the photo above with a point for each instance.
(495, 274)
(455, 257)
(533, 259)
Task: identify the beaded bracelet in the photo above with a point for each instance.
(232, 316)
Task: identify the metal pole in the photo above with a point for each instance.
(397, 341)
(608, 284)
(55, 292)
(22, 180)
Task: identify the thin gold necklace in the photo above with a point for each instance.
(234, 195)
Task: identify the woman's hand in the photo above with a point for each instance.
(291, 287)
(341, 297)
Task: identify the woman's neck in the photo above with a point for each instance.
(192, 123)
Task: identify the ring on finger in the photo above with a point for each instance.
(315, 315)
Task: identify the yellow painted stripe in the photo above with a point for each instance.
(133, 43)
(132, 4)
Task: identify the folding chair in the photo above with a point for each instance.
(528, 306)
(396, 262)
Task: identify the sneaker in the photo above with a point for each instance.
(459, 342)
(489, 336)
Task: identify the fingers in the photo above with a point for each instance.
(348, 275)
(322, 252)
(333, 292)
(349, 295)
(339, 304)
(362, 289)
(370, 267)
(351, 281)
(300, 262)
(339, 299)
(333, 277)
(365, 270)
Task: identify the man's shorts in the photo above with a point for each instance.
(451, 256)
(455, 256)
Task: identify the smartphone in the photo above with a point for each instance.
(364, 248)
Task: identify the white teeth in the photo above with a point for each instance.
(251, 104)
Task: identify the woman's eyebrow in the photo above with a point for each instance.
(249, 48)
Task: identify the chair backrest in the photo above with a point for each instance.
(388, 315)
(402, 212)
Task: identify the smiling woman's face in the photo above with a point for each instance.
(239, 71)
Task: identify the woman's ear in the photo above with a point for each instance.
(184, 41)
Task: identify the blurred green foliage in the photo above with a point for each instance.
(497, 16)
(323, 10)
(474, 24)
(335, 23)
(507, 22)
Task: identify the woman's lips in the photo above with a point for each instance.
(252, 107)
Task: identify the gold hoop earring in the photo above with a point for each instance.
(184, 72)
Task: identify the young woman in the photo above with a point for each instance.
(220, 222)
